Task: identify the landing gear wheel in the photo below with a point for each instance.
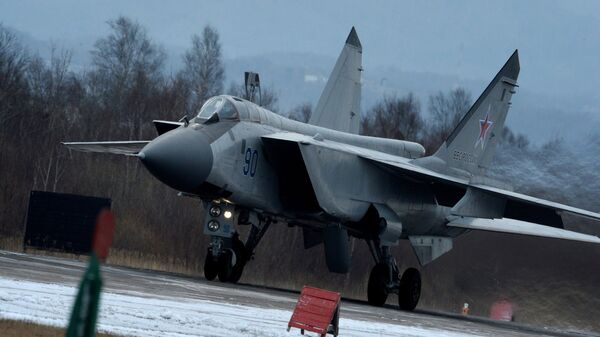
(376, 292)
(225, 266)
(211, 267)
(241, 259)
(410, 289)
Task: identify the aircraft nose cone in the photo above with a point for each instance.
(181, 158)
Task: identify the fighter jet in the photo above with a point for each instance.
(252, 167)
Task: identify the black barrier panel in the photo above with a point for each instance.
(64, 222)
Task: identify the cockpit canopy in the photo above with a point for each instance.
(231, 108)
(219, 105)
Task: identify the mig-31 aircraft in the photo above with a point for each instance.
(252, 167)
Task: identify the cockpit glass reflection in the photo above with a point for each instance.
(210, 107)
(219, 105)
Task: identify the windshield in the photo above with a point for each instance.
(219, 105)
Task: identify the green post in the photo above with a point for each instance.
(85, 309)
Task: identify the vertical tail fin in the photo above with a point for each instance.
(339, 105)
(471, 146)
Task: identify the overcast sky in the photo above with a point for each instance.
(559, 41)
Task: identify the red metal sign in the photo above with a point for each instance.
(317, 311)
(502, 311)
(103, 234)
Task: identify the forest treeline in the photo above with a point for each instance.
(126, 86)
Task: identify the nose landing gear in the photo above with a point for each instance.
(211, 266)
(227, 254)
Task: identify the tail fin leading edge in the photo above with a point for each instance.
(471, 146)
(339, 105)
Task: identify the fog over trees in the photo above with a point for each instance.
(301, 112)
(44, 102)
(203, 72)
(394, 117)
(265, 97)
(445, 111)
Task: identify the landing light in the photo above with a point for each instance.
(227, 214)
(213, 225)
(215, 211)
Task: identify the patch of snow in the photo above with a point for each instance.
(131, 315)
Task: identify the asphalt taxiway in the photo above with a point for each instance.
(41, 273)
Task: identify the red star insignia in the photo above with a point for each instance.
(484, 126)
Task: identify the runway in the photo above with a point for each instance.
(148, 303)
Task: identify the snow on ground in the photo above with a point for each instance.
(154, 315)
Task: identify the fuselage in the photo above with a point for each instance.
(242, 171)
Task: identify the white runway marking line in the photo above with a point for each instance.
(150, 315)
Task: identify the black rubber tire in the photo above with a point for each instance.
(410, 289)
(376, 291)
(240, 260)
(225, 266)
(211, 267)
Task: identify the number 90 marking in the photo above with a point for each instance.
(250, 162)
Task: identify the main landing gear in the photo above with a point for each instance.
(385, 279)
(227, 254)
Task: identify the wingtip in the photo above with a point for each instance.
(353, 39)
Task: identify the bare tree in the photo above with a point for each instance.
(52, 104)
(125, 85)
(394, 117)
(445, 112)
(301, 112)
(172, 103)
(203, 70)
(13, 85)
(509, 138)
(268, 98)
(127, 73)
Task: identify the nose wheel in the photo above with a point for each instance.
(228, 264)
(225, 266)
(211, 267)
(227, 254)
(239, 249)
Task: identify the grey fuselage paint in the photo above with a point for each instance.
(349, 186)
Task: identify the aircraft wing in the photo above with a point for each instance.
(165, 126)
(129, 148)
(512, 226)
(427, 175)
(528, 212)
